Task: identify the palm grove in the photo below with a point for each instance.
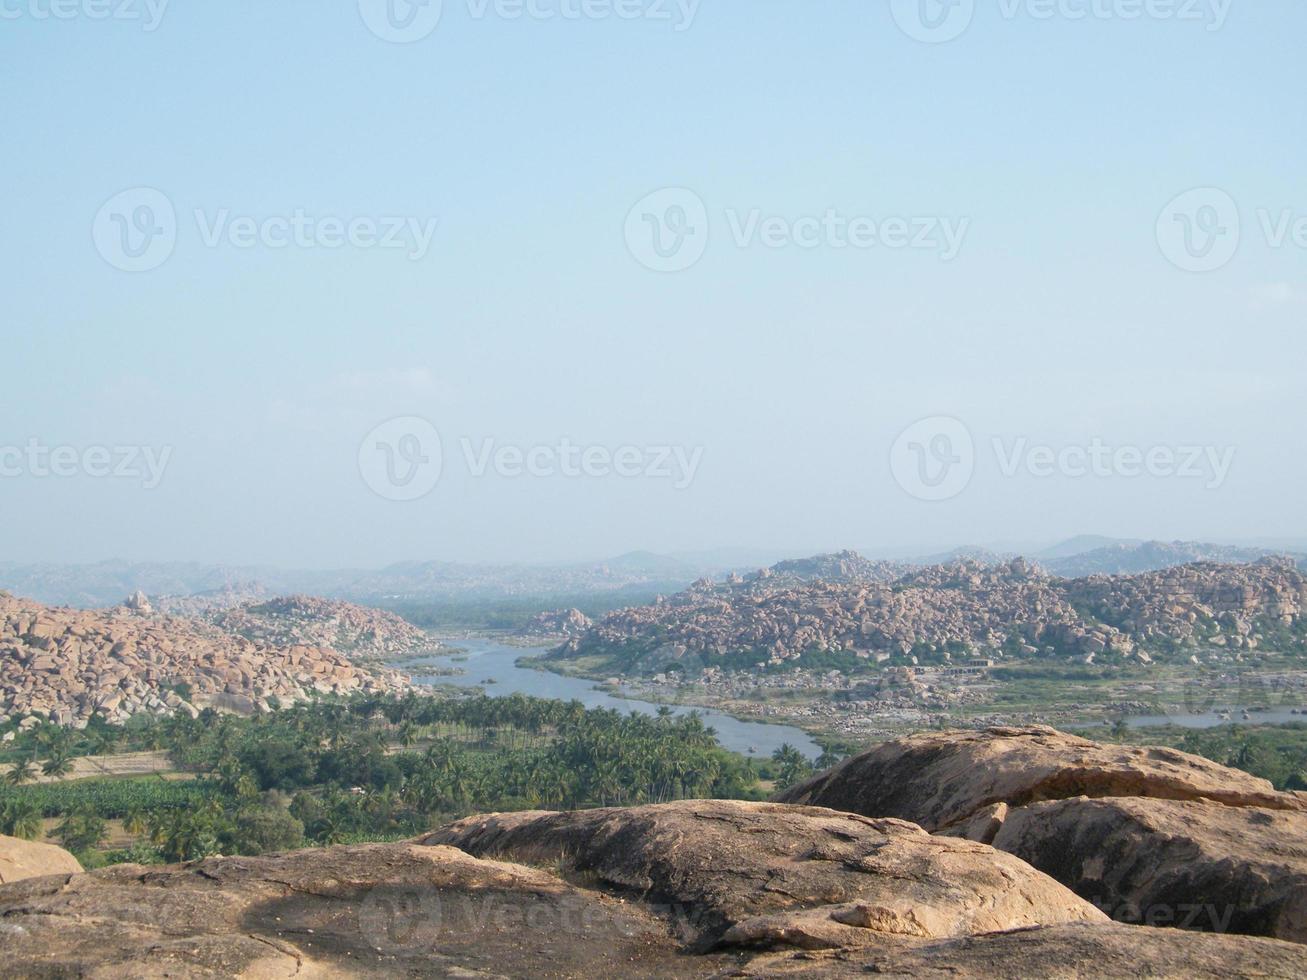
(365, 769)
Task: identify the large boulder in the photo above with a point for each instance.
(371, 910)
(764, 874)
(1148, 834)
(1162, 862)
(21, 859)
(939, 779)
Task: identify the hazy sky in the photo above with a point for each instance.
(746, 348)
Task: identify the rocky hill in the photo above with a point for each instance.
(69, 664)
(843, 566)
(941, 613)
(359, 632)
(556, 623)
(691, 889)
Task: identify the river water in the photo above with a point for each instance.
(1212, 719)
(491, 661)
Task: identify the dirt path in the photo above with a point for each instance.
(92, 766)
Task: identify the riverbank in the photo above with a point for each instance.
(501, 669)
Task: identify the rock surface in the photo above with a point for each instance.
(1161, 862)
(938, 779)
(1068, 952)
(1147, 834)
(684, 890)
(763, 874)
(21, 859)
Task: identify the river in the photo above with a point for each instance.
(491, 661)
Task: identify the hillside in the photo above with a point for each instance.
(69, 664)
(358, 632)
(945, 612)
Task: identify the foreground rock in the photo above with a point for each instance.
(21, 859)
(1161, 862)
(940, 779)
(1148, 834)
(684, 890)
(1068, 952)
(762, 874)
(376, 910)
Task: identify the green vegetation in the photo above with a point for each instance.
(383, 768)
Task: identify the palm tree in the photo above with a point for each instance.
(408, 734)
(58, 765)
(21, 818)
(22, 772)
(136, 821)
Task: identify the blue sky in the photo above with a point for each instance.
(1056, 142)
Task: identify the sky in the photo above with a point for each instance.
(326, 284)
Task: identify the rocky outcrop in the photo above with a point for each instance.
(379, 910)
(1162, 862)
(21, 859)
(758, 874)
(941, 779)
(690, 890)
(557, 623)
(1147, 834)
(944, 612)
(68, 664)
(359, 632)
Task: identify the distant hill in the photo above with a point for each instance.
(1080, 544)
(1129, 559)
(103, 584)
